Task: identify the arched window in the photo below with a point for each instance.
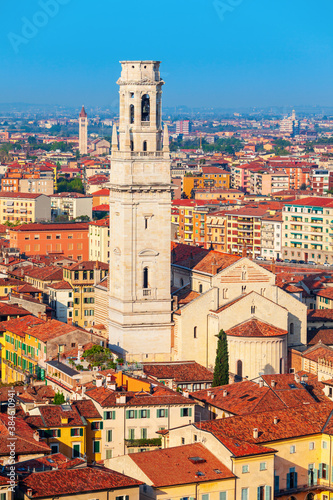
(291, 328)
(145, 145)
(145, 277)
(132, 113)
(145, 108)
(239, 368)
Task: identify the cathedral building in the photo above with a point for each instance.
(210, 290)
(214, 291)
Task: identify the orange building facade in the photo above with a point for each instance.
(69, 240)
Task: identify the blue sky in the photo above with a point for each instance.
(236, 53)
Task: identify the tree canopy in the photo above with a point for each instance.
(221, 370)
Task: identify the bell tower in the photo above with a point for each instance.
(140, 214)
(83, 132)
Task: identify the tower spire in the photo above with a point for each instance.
(166, 146)
(114, 138)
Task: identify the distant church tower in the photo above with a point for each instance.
(140, 212)
(83, 132)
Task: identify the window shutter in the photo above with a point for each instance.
(135, 413)
(332, 474)
(267, 493)
(190, 412)
(320, 475)
(295, 481)
(276, 483)
(182, 412)
(148, 413)
(104, 415)
(72, 432)
(288, 481)
(205, 497)
(223, 495)
(158, 413)
(81, 432)
(127, 497)
(167, 412)
(114, 415)
(127, 413)
(101, 425)
(59, 433)
(315, 476)
(244, 494)
(140, 413)
(258, 493)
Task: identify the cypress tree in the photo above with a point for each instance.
(221, 370)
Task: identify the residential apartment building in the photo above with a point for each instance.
(307, 230)
(24, 207)
(83, 277)
(244, 230)
(61, 300)
(211, 177)
(72, 205)
(29, 178)
(271, 236)
(321, 181)
(215, 231)
(67, 239)
(99, 240)
(131, 419)
(183, 127)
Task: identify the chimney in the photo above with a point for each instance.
(99, 381)
(36, 436)
(276, 420)
(273, 383)
(304, 379)
(255, 433)
(261, 383)
(225, 393)
(43, 316)
(185, 394)
(297, 378)
(29, 492)
(121, 399)
(83, 389)
(69, 321)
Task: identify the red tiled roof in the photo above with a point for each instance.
(326, 292)
(255, 328)
(54, 461)
(8, 194)
(75, 481)
(319, 351)
(324, 335)
(180, 465)
(26, 444)
(70, 226)
(51, 416)
(313, 202)
(86, 408)
(320, 315)
(184, 371)
(101, 192)
(61, 285)
(87, 265)
(291, 423)
(102, 208)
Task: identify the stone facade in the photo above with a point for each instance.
(83, 132)
(140, 213)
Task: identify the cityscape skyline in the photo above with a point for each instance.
(226, 53)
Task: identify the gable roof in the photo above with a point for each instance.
(179, 371)
(27, 441)
(187, 464)
(75, 481)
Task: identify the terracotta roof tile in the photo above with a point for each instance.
(255, 328)
(185, 371)
(180, 465)
(75, 481)
(26, 443)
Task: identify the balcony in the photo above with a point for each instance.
(319, 485)
(147, 153)
(143, 443)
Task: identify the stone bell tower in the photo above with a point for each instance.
(83, 132)
(140, 214)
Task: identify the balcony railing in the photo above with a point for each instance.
(320, 484)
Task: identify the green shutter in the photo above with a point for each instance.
(148, 413)
(182, 412)
(158, 413)
(320, 475)
(81, 432)
(135, 413)
(59, 433)
(190, 412)
(205, 497)
(114, 415)
(105, 415)
(101, 425)
(223, 495)
(267, 493)
(127, 414)
(72, 432)
(166, 413)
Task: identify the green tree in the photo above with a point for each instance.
(221, 370)
(59, 398)
(98, 356)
